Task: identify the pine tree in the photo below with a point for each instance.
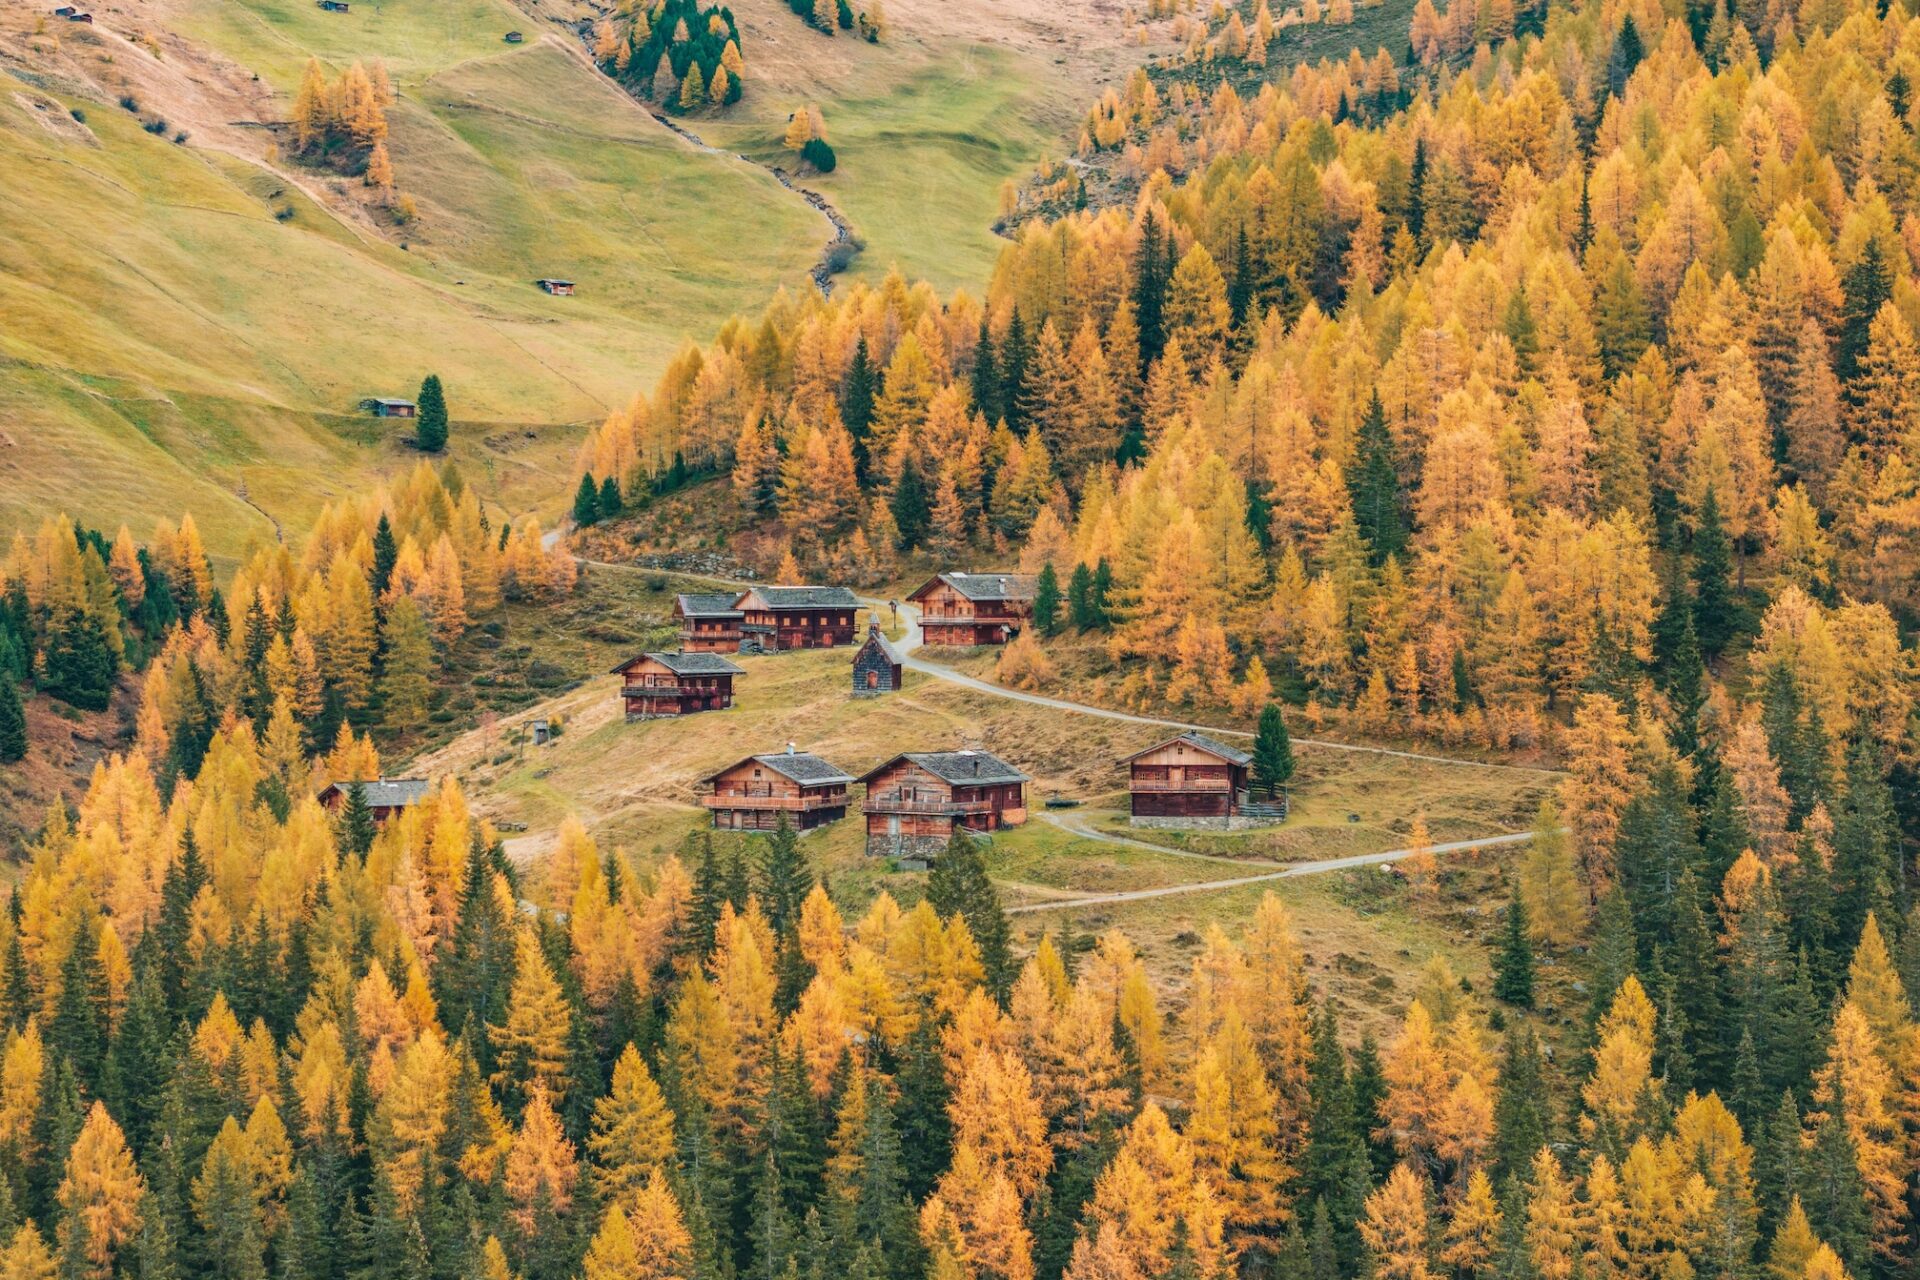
(430, 422)
(1272, 751)
(13, 722)
(1046, 601)
(1513, 966)
(586, 503)
(785, 879)
(1373, 487)
(959, 885)
(1715, 614)
(1865, 287)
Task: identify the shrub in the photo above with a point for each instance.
(1024, 665)
(130, 102)
(78, 115)
(817, 153)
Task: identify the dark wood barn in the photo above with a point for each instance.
(916, 801)
(709, 621)
(385, 796)
(753, 794)
(775, 619)
(675, 684)
(974, 608)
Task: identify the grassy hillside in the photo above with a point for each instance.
(191, 328)
(962, 95)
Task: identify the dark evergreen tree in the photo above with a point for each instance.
(1628, 51)
(586, 503)
(355, 824)
(1373, 487)
(1337, 1168)
(386, 554)
(1272, 752)
(985, 381)
(1150, 280)
(1613, 954)
(1046, 602)
(1416, 216)
(959, 884)
(1832, 1192)
(1866, 285)
(13, 722)
(79, 667)
(78, 1028)
(1369, 1084)
(1522, 1111)
(785, 878)
(430, 423)
(473, 981)
(1016, 360)
(611, 503)
(1513, 966)
(912, 514)
(1866, 862)
(857, 393)
(1080, 598)
(1097, 598)
(926, 1130)
(1716, 616)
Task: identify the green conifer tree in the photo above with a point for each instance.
(1513, 966)
(1046, 602)
(1272, 752)
(430, 421)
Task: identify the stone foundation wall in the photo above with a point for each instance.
(1238, 822)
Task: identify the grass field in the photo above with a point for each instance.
(190, 328)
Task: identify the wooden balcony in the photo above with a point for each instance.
(1182, 784)
(765, 798)
(894, 802)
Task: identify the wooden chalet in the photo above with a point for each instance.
(877, 666)
(675, 684)
(65, 11)
(709, 621)
(559, 288)
(80, 15)
(385, 796)
(974, 608)
(916, 801)
(1188, 781)
(752, 794)
(775, 619)
(513, 37)
(387, 407)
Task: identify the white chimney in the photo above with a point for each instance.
(789, 748)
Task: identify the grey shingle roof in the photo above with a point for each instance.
(707, 604)
(806, 597)
(696, 664)
(1232, 755)
(876, 637)
(686, 664)
(803, 767)
(389, 793)
(960, 768)
(989, 586)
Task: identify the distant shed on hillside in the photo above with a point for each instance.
(514, 37)
(560, 288)
(335, 6)
(77, 16)
(387, 407)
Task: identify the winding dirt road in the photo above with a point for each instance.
(1318, 867)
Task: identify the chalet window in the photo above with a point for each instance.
(873, 679)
